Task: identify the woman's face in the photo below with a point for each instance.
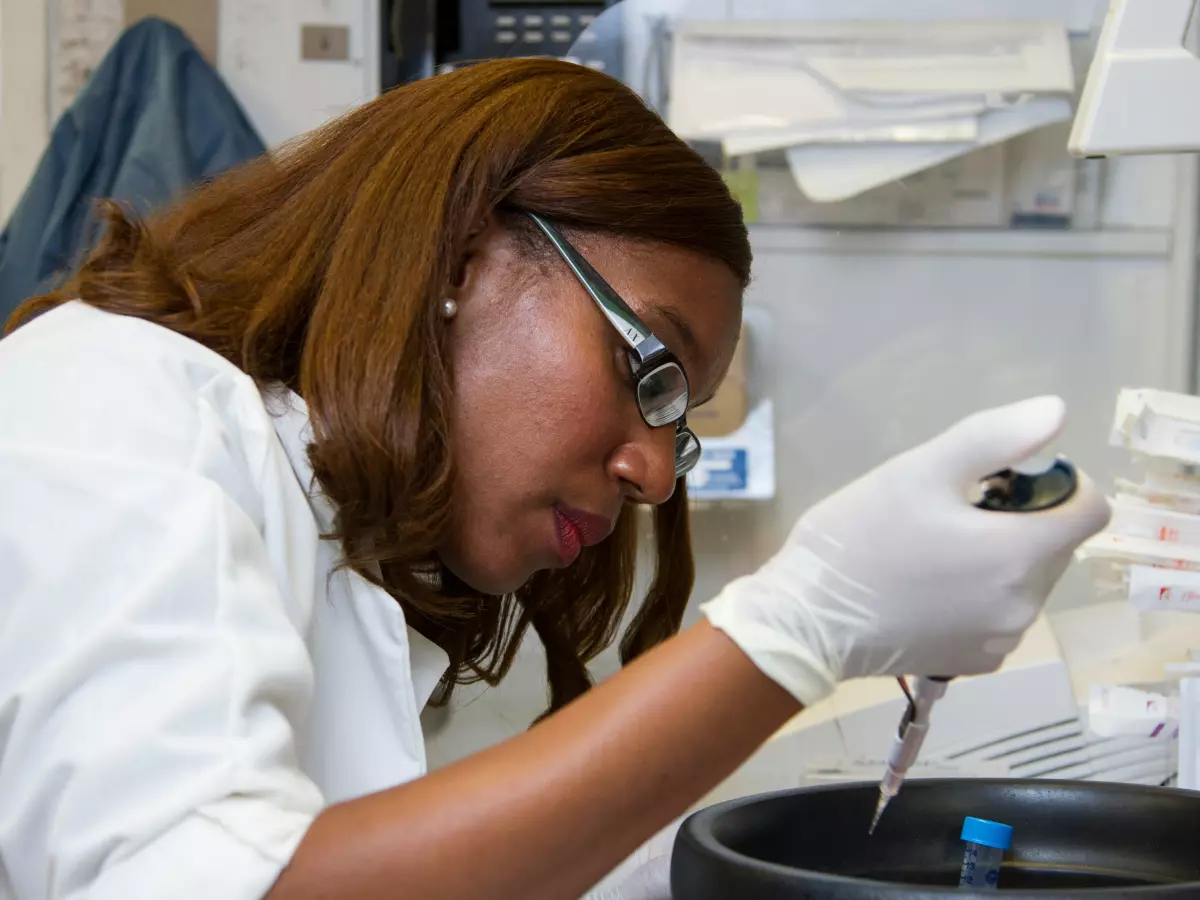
(548, 439)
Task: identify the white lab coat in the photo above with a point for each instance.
(184, 680)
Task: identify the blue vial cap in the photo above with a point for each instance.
(990, 834)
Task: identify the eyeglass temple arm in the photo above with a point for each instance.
(624, 319)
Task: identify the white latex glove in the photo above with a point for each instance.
(645, 874)
(899, 574)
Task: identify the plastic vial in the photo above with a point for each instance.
(986, 842)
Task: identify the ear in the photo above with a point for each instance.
(485, 230)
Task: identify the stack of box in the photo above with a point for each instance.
(1150, 552)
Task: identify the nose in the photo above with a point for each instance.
(645, 465)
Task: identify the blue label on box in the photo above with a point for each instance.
(719, 470)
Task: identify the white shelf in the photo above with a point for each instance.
(962, 242)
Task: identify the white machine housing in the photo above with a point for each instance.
(1142, 93)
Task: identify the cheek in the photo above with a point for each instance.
(537, 403)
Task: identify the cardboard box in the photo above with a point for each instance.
(740, 466)
(726, 412)
(198, 19)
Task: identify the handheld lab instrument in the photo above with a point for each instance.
(1030, 487)
(986, 842)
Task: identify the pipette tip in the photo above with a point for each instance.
(879, 808)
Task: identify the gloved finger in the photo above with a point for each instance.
(1063, 527)
(995, 439)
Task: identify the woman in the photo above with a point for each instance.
(327, 438)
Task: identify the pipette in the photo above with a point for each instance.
(1031, 487)
(910, 737)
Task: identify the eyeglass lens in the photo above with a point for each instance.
(663, 395)
(687, 452)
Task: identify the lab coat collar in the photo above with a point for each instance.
(292, 424)
(428, 661)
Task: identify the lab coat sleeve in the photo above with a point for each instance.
(152, 675)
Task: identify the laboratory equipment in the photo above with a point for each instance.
(1142, 83)
(1029, 487)
(986, 842)
(907, 744)
(422, 37)
(1076, 840)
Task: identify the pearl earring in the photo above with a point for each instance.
(449, 308)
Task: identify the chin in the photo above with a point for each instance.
(487, 580)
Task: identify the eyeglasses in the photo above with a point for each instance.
(660, 384)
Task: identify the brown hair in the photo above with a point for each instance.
(321, 268)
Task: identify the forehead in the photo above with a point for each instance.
(690, 301)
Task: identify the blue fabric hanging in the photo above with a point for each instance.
(152, 121)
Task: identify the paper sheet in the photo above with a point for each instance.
(954, 129)
(896, 57)
(80, 33)
(831, 173)
(859, 104)
(728, 76)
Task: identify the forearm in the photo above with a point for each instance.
(546, 814)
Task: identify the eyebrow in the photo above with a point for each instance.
(687, 337)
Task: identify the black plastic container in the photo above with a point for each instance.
(1072, 839)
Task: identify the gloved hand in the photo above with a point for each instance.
(899, 574)
(644, 875)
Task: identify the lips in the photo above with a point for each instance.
(578, 529)
(592, 528)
